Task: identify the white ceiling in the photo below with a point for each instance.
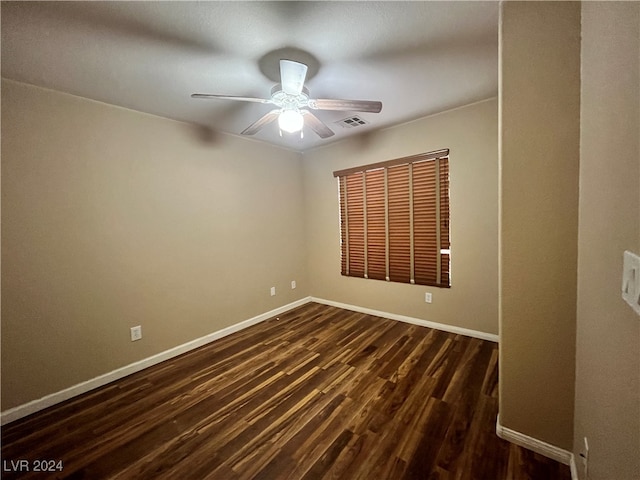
(417, 58)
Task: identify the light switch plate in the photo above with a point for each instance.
(631, 280)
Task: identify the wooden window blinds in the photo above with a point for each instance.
(394, 220)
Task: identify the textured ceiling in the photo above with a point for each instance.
(417, 58)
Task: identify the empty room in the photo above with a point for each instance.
(320, 240)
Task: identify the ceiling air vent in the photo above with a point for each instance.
(352, 122)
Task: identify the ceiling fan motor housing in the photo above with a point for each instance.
(287, 101)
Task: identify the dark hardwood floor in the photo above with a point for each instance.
(318, 393)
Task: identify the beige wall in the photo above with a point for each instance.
(113, 218)
(471, 135)
(539, 163)
(608, 334)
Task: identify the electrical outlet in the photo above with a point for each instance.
(136, 333)
(293, 284)
(427, 297)
(273, 291)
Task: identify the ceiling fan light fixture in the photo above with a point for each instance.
(290, 121)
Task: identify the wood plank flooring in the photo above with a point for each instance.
(318, 393)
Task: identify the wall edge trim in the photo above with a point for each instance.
(543, 448)
(415, 321)
(574, 469)
(55, 398)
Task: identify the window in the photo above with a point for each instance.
(394, 220)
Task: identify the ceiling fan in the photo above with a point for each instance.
(293, 102)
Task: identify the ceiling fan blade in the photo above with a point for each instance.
(350, 105)
(316, 124)
(292, 76)
(230, 97)
(256, 126)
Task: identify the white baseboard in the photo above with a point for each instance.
(543, 448)
(83, 387)
(415, 321)
(574, 469)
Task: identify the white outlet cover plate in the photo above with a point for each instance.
(631, 280)
(136, 333)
